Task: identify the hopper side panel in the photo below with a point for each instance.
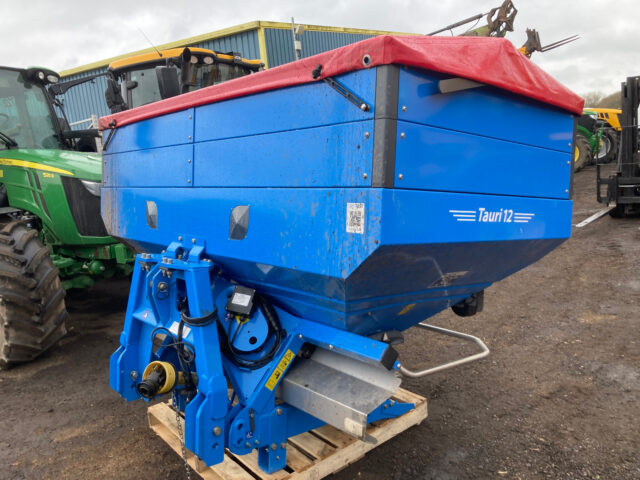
(487, 111)
(430, 158)
(416, 217)
(400, 285)
(290, 108)
(327, 156)
(171, 129)
(299, 229)
(155, 167)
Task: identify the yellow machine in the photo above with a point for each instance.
(610, 116)
(154, 76)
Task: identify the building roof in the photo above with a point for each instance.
(225, 32)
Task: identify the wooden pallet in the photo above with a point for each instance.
(310, 455)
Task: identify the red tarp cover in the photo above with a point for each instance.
(494, 61)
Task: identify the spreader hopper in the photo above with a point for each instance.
(293, 222)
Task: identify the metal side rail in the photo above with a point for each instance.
(594, 217)
(446, 366)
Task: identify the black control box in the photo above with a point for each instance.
(241, 300)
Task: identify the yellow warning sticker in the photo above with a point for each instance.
(280, 369)
(1, 173)
(48, 175)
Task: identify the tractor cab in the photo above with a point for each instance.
(147, 78)
(28, 116)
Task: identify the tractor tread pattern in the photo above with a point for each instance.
(612, 154)
(583, 156)
(32, 308)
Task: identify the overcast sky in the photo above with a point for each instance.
(70, 33)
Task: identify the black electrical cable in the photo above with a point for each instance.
(232, 340)
(189, 354)
(198, 321)
(192, 322)
(235, 334)
(184, 351)
(188, 381)
(226, 344)
(273, 323)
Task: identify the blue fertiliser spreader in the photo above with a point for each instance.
(295, 221)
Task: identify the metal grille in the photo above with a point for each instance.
(85, 208)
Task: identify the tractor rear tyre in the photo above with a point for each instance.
(581, 153)
(609, 146)
(32, 309)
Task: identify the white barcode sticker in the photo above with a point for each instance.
(355, 218)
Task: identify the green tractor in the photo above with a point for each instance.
(595, 141)
(52, 237)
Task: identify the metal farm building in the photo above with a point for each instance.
(271, 42)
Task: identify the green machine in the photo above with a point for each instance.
(52, 237)
(594, 141)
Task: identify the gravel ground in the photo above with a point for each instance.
(559, 396)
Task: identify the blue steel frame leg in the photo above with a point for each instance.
(205, 414)
(123, 365)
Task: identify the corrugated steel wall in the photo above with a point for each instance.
(244, 43)
(280, 43)
(83, 100)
